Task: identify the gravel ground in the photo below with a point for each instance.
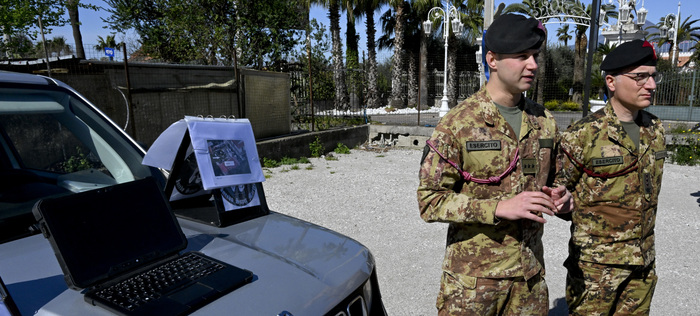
(370, 196)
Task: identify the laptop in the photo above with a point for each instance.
(7, 304)
(119, 244)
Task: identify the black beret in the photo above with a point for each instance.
(629, 54)
(513, 33)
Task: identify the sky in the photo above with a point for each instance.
(93, 26)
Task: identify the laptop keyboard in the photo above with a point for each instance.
(152, 284)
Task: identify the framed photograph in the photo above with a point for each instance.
(225, 151)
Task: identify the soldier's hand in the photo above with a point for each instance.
(562, 198)
(526, 205)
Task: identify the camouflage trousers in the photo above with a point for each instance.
(601, 289)
(485, 296)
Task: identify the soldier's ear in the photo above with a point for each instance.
(491, 59)
(610, 82)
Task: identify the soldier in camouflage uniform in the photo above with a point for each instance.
(486, 171)
(612, 161)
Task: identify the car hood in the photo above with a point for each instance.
(298, 267)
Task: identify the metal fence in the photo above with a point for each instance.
(428, 91)
(678, 88)
(675, 98)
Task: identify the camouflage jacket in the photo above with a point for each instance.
(477, 138)
(615, 203)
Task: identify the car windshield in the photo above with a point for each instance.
(52, 143)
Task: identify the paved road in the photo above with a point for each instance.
(370, 196)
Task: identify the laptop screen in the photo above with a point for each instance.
(106, 231)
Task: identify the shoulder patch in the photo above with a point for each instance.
(546, 143)
(661, 154)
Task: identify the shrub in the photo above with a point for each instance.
(686, 151)
(78, 162)
(569, 106)
(316, 147)
(679, 129)
(341, 149)
(288, 161)
(270, 163)
(552, 105)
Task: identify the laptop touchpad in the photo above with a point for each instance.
(195, 290)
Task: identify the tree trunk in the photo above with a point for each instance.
(541, 72)
(398, 59)
(412, 79)
(341, 90)
(423, 69)
(353, 62)
(452, 75)
(72, 7)
(372, 96)
(579, 65)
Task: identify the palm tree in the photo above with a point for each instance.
(471, 15)
(686, 32)
(605, 49)
(107, 42)
(413, 36)
(563, 34)
(464, 10)
(421, 9)
(531, 8)
(369, 7)
(577, 8)
(58, 46)
(411, 50)
(352, 54)
(400, 8)
(341, 90)
(696, 53)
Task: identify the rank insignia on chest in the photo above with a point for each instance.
(529, 165)
(484, 145)
(647, 183)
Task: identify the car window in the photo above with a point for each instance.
(42, 143)
(52, 143)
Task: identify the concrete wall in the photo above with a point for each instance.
(296, 146)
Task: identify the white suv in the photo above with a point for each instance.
(55, 142)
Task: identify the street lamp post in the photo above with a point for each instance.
(626, 28)
(450, 12)
(625, 19)
(665, 32)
